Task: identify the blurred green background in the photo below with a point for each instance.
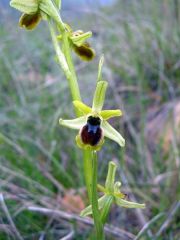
(40, 164)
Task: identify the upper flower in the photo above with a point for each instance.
(111, 194)
(93, 125)
(79, 44)
(34, 10)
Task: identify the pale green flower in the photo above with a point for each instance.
(78, 42)
(93, 125)
(112, 194)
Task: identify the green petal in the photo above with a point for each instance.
(25, 6)
(79, 38)
(111, 133)
(127, 204)
(76, 123)
(101, 201)
(99, 96)
(106, 114)
(82, 107)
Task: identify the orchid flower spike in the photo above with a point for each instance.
(93, 125)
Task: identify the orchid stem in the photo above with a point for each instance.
(87, 156)
(65, 62)
(95, 211)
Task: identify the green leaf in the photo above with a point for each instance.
(99, 96)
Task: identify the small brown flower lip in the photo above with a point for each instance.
(29, 21)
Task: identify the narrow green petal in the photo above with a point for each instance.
(101, 201)
(76, 123)
(106, 114)
(82, 107)
(127, 204)
(99, 96)
(111, 133)
(79, 38)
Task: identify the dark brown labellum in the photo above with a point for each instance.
(29, 21)
(91, 133)
(85, 52)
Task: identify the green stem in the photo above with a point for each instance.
(62, 60)
(87, 156)
(95, 210)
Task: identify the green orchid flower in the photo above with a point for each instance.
(33, 11)
(112, 194)
(93, 126)
(79, 44)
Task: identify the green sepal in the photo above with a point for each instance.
(76, 123)
(78, 38)
(111, 133)
(88, 210)
(127, 204)
(99, 96)
(25, 6)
